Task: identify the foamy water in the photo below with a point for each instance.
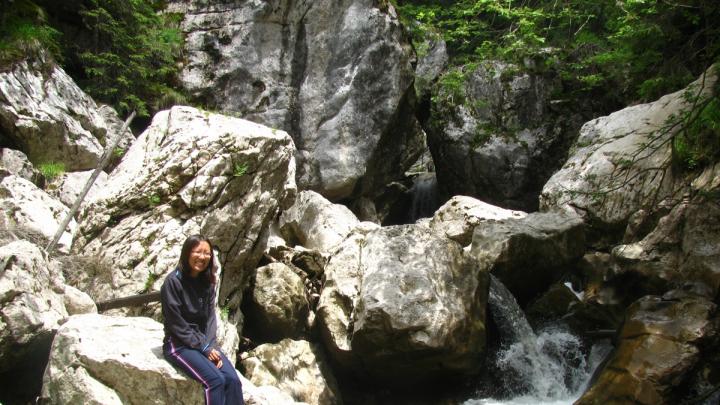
(548, 368)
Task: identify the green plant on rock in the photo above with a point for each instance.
(450, 91)
(239, 169)
(118, 152)
(697, 143)
(151, 279)
(24, 28)
(51, 170)
(154, 200)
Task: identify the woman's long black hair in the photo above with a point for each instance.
(188, 246)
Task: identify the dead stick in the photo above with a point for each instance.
(131, 301)
(91, 180)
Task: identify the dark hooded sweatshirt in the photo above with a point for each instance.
(188, 310)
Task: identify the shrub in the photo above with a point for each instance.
(131, 61)
(51, 170)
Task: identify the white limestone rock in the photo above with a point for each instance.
(316, 223)
(190, 172)
(458, 217)
(336, 75)
(31, 302)
(24, 206)
(98, 359)
(51, 119)
(297, 367)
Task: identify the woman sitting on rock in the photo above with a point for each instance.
(188, 308)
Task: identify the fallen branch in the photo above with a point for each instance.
(73, 210)
(131, 301)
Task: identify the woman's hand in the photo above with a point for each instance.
(214, 356)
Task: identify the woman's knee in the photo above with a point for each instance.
(216, 380)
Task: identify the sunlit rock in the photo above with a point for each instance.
(296, 367)
(402, 304)
(336, 75)
(190, 172)
(51, 119)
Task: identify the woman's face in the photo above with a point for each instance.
(199, 258)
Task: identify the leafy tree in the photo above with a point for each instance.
(130, 61)
(122, 52)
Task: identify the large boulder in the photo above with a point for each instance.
(34, 302)
(660, 342)
(528, 254)
(190, 172)
(336, 75)
(401, 304)
(297, 367)
(500, 141)
(458, 217)
(23, 206)
(680, 247)
(47, 116)
(316, 223)
(277, 306)
(15, 162)
(97, 359)
(621, 163)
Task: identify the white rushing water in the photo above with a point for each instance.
(549, 367)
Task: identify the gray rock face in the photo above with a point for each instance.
(68, 186)
(48, 117)
(432, 60)
(529, 254)
(278, 307)
(402, 304)
(682, 247)
(34, 302)
(337, 76)
(103, 360)
(316, 223)
(503, 142)
(189, 172)
(296, 367)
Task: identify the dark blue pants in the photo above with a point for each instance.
(222, 385)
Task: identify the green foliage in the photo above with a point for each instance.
(125, 52)
(51, 170)
(23, 30)
(154, 200)
(130, 62)
(697, 143)
(610, 52)
(151, 279)
(451, 90)
(239, 169)
(623, 51)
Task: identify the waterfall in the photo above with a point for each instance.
(424, 197)
(548, 367)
